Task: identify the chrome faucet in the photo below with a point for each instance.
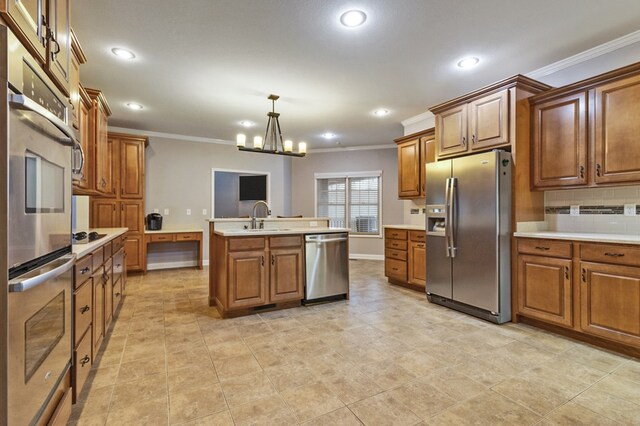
(253, 214)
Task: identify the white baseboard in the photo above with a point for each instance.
(356, 256)
(174, 265)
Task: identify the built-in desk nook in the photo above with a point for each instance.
(186, 235)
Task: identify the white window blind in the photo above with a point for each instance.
(350, 201)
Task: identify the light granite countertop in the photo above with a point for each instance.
(581, 236)
(409, 227)
(268, 219)
(81, 250)
(283, 231)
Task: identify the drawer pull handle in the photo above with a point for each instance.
(118, 294)
(581, 172)
(84, 270)
(584, 275)
(614, 254)
(84, 360)
(566, 272)
(542, 248)
(394, 269)
(85, 309)
(598, 170)
(421, 245)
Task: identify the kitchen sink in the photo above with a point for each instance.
(269, 230)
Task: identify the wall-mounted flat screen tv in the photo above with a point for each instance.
(253, 188)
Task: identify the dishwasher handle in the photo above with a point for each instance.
(319, 240)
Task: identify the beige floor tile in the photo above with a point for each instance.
(629, 370)
(422, 398)
(195, 402)
(228, 349)
(562, 367)
(189, 357)
(104, 376)
(454, 384)
(222, 418)
(142, 350)
(384, 409)
(610, 406)
(267, 411)
(95, 420)
(138, 369)
(236, 366)
(190, 377)
(132, 393)
(387, 374)
(250, 387)
(289, 376)
(351, 387)
(419, 363)
(93, 402)
(148, 412)
(271, 358)
(340, 417)
(311, 401)
(620, 387)
(572, 414)
(595, 358)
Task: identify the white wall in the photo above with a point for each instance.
(303, 185)
(226, 194)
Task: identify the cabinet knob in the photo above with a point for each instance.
(85, 309)
(473, 139)
(464, 140)
(84, 360)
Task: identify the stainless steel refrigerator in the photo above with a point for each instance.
(468, 234)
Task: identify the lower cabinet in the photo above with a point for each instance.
(405, 257)
(417, 264)
(255, 272)
(593, 289)
(99, 280)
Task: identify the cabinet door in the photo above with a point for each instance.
(617, 157)
(134, 249)
(610, 302)
(427, 155)
(87, 180)
(132, 216)
(26, 19)
(247, 277)
(409, 169)
(108, 294)
(98, 309)
(74, 92)
(417, 264)
(131, 169)
(105, 213)
(489, 121)
(103, 163)
(544, 289)
(286, 275)
(59, 46)
(451, 131)
(560, 142)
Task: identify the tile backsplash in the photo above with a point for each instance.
(600, 210)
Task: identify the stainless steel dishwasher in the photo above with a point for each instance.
(327, 266)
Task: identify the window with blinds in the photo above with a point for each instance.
(350, 202)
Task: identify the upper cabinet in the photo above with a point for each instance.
(27, 20)
(102, 161)
(585, 134)
(59, 45)
(77, 58)
(414, 151)
(482, 120)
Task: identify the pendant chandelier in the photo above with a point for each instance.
(272, 142)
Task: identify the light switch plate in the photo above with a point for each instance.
(574, 210)
(629, 209)
(156, 210)
(166, 212)
(204, 212)
(188, 212)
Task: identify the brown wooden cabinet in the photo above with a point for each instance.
(560, 141)
(451, 129)
(26, 19)
(105, 213)
(417, 264)
(98, 308)
(286, 275)
(132, 168)
(76, 59)
(86, 184)
(247, 279)
(405, 260)
(414, 151)
(489, 121)
(102, 160)
(59, 45)
(135, 251)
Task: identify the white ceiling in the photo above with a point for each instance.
(204, 65)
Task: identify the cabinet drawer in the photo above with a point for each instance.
(63, 412)
(98, 258)
(395, 245)
(187, 236)
(395, 269)
(395, 234)
(418, 236)
(619, 255)
(545, 247)
(82, 363)
(83, 270)
(83, 311)
(288, 241)
(116, 244)
(157, 238)
(395, 254)
(107, 250)
(237, 244)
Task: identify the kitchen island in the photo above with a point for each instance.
(253, 270)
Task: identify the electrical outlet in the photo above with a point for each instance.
(166, 212)
(313, 223)
(204, 212)
(629, 209)
(188, 212)
(156, 210)
(574, 210)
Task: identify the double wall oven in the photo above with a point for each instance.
(40, 169)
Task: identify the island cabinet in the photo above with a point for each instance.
(414, 151)
(585, 134)
(255, 273)
(587, 290)
(405, 261)
(99, 282)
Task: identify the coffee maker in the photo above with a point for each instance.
(154, 222)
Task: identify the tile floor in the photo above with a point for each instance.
(385, 357)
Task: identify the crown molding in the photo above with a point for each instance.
(164, 135)
(352, 148)
(417, 118)
(587, 55)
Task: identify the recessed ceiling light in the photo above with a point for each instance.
(353, 18)
(381, 112)
(247, 123)
(468, 62)
(123, 53)
(328, 135)
(134, 106)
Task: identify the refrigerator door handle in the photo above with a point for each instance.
(447, 208)
(453, 183)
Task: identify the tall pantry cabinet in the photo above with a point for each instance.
(123, 204)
